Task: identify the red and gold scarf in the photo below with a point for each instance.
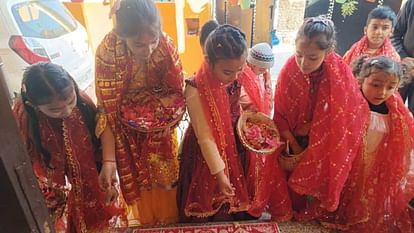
(114, 71)
(361, 48)
(337, 126)
(72, 155)
(379, 187)
(207, 200)
(262, 101)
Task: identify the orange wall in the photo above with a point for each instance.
(169, 26)
(192, 57)
(94, 17)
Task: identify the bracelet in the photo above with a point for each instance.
(109, 161)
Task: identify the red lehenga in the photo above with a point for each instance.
(360, 48)
(202, 197)
(81, 206)
(381, 182)
(265, 181)
(199, 194)
(331, 101)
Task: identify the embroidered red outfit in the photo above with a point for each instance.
(80, 208)
(361, 48)
(337, 125)
(210, 146)
(145, 162)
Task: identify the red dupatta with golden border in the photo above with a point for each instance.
(72, 155)
(361, 48)
(114, 70)
(262, 101)
(379, 188)
(265, 179)
(339, 121)
(206, 199)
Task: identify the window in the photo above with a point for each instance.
(43, 19)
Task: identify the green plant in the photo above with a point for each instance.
(348, 8)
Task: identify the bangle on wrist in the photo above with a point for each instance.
(109, 161)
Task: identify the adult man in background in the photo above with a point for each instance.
(403, 41)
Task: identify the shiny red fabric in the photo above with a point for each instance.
(339, 119)
(72, 155)
(250, 82)
(267, 186)
(204, 198)
(265, 181)
(361, 48)
(379, 188)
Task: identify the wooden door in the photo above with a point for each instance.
(22, 208)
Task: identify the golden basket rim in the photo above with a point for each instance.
(259, 115)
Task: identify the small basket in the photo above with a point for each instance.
(260, 118)
(289, 163)
(148, 98)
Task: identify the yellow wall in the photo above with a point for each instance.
(94, 17)
(241, 18)
(168, 13)
(264, 22)
(192, 56)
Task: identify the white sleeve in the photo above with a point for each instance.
(202, 131)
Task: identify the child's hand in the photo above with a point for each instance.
(111, 195)
(296, 148)
(224, 184)
(304, 130)
(107, 177)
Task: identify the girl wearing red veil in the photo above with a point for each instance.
(212, 155)
(375, 42)
(381, 182)
(322, 116)
(57, 125)
(263, 173)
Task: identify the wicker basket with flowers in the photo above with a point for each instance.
(258, 133)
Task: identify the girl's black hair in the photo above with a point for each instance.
(382, 12)
(135, 17)
(225, 42)
(41, 83)
(315, 27)
(364, 66)
(206, 29)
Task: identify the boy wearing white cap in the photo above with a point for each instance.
(256, 93)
